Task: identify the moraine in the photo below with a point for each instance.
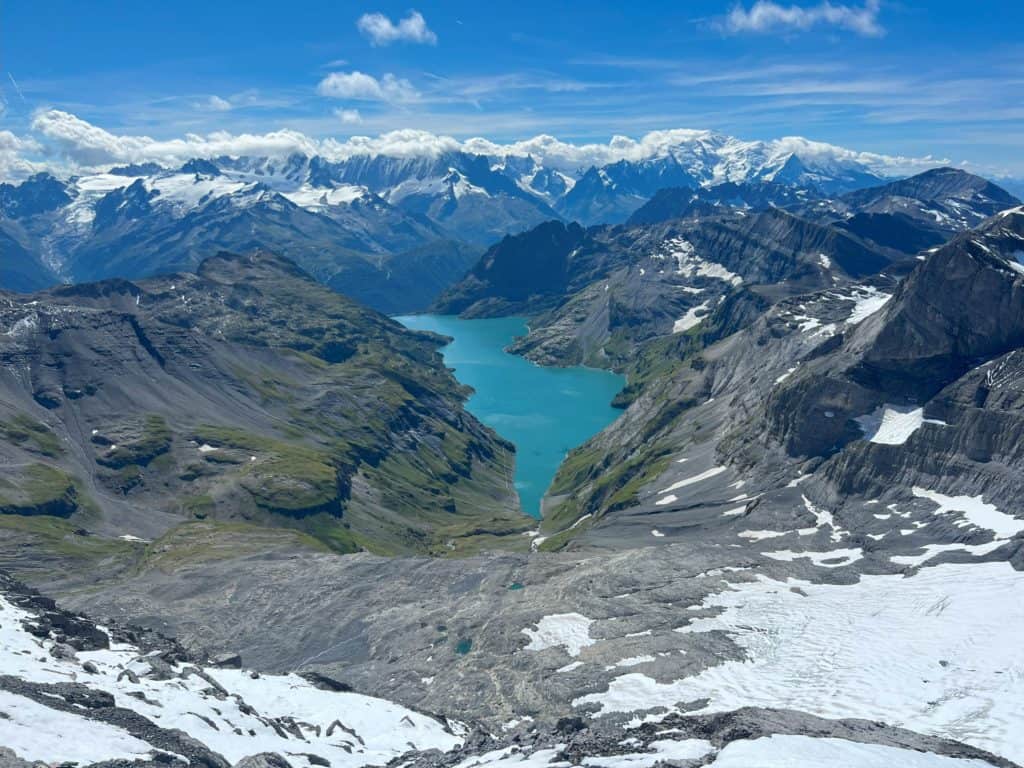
(544, 411)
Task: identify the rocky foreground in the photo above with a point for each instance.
(643, 658)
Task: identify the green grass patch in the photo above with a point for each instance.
(198, 541)
(55, 535)
(290, 479)
(199, 506)
(38, 489)
(154, 439)
(31, 435)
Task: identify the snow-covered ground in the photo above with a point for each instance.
(937, 652)
(688, 263)
(261, 713)
(807, 752)
(976, 512)
(867, 300)
(769, 752)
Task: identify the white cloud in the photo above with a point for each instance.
(217, 104)
(13, 151)
(85, 145)
(361, 86)
(349, 116)
(767, 16)
(380, 30)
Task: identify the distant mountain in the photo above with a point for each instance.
(907, 215)
(684, 202)
(918, 212)
(124, 225)
(349, 220)
(611, 193)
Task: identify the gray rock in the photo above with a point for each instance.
(62, 651)
(263, 760)
(227, 661)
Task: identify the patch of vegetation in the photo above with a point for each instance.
(271, 387)
(39, 489)
(200, 506)
(659, 359)
(32, 435)
(64, 538)
(291, 479)
(614, 487)
(332, 533)
(153, 440)
(209, 540)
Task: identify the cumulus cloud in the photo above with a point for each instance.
(348, 116)
(765, 16)
(361, 86)
(380, 30)
(84, 145)
(13, 151)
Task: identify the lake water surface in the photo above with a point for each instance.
(544, 411)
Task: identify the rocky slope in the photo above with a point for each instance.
(861, 399)
(800, 544)
(115, 694)
(920, 212)
(595, 295)
(242, 395)
(72, 691)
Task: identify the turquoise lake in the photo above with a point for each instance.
(543, 411)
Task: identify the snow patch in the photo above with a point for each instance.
(707, 474)
(867, 301)
(808, 752)
(837, 558)
(692, 318)
(975, 511)
(893, 424)
(570, 631)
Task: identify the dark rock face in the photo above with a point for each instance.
(916, 213)
(962, 306)
(535, 263)
(39, 194)
(22, 268)
(681, 202)
(610, 194)
(123, 205)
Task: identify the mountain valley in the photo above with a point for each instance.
(798, 542)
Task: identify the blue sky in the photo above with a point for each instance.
(944, 79)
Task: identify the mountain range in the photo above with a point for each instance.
(391, 231)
